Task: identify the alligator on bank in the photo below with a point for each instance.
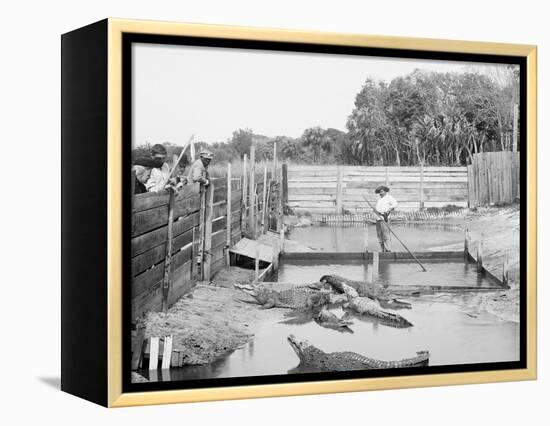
(314, 359)
(294, 298)
(367, 306)
(373, 291)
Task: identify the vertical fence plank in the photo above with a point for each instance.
(153, 353)
(208, 232)
(168, 258)
(421, 186)
(515, 129)
(285, 186)
(274, 168)
(244, 193)
(167, 352)
(339, 190)
(264, 199)
(252, 190)
(228, 220)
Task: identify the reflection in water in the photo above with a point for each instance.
(438, 273)
(353, 238)
(451, 337)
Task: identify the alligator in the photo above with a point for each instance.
(367, 306)
(327, 319)
(314, 359)
(373, 291)
(294, 298)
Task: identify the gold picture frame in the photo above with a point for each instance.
(115, 396)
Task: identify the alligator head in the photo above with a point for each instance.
(299, 346)
(252, 290)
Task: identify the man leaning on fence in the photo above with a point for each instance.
(384, 206)
(199, 169)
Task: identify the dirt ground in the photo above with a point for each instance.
(499, 227)
(210, 322)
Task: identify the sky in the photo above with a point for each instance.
(211, 92)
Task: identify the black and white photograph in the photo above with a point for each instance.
(296, 213)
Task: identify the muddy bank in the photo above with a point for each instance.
(209, 323)
(499, 227)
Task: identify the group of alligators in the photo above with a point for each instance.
(358, 298)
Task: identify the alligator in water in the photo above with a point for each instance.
(367, 306)
(294, 298)
(327, 319)
(314, 359)
(373, 291)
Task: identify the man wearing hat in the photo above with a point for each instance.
(161, 170)
(199, 169)
(142, 171)
(384, 206)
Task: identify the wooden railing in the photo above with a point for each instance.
(340, 189)
(168, 240)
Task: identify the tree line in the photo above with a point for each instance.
(429, 118)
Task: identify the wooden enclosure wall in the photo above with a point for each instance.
(340, 189)
(272, 200)
(493, 178)
(150, 217)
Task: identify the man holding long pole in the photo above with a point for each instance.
(384, 206)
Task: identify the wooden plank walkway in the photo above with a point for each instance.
(247, 247)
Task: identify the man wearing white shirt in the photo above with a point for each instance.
(384, 206)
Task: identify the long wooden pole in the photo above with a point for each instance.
(252, 191)
(229, 215)
(175, 166)
(244, 193)
(395, 235)
(264, 195)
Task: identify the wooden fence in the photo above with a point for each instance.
(493, 178)
(169, 233)
(340, 189)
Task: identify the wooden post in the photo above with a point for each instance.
(244, 194)
(167, 352)
(280, 218)
(275, 250)
(421, 186)
(466, 246)
(138, 344)
(202, 215)
(366, 239)
(257, 263)
(264, 195)
(339, 183)
(252, 191)
(282, 238)
(168, 255)
(153, 353)
(208, 233)
(480, 254)
(375, 265)
(274, 170)
(194, 254)
(387, 180)
(505, 271)
(285, 186)
(228, 224)
(515, 129)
